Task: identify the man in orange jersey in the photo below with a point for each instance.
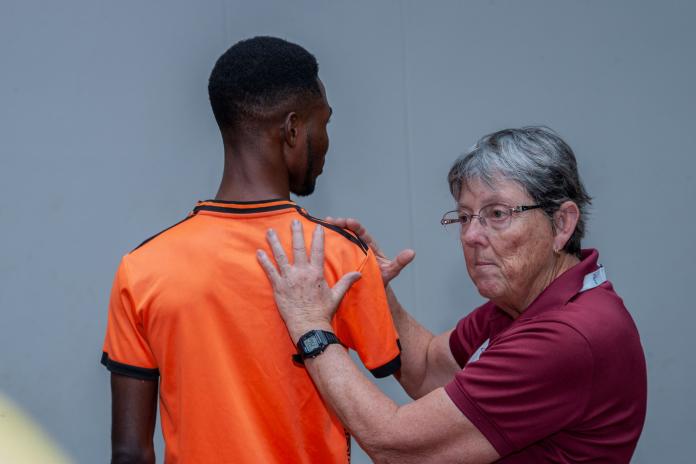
(193, 321)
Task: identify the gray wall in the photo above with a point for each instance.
(106, 138)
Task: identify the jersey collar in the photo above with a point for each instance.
(244, 207)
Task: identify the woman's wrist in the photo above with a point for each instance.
(298, 329)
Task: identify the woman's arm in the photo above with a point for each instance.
(426, 360)
(431, 429)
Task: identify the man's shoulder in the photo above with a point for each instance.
(165, 234)
(166, 240)
(335, 236)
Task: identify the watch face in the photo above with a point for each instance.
(310, 344)
(314, 342)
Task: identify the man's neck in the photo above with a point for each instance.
(253, 172)
(233, 190)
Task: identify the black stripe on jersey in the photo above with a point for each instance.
(226, 209)
(356, 240)
(254, 202)
(129, 371)
(388, 368)
(161, 232)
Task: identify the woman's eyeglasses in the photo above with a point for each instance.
(497, 216)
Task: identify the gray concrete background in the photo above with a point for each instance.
(106, 138)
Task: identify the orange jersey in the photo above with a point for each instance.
(193, 307)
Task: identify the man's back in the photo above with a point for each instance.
(229, 390)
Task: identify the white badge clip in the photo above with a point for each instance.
(594, 279)
(477, 354)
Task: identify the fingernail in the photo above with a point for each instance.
(271, 232)
(295, 222)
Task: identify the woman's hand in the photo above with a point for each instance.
(304, 299)
(389, 268)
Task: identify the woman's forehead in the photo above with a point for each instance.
(476, 192)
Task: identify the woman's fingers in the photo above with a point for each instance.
(268, 267)
(278, 252)
(299, 251)
(317, 255)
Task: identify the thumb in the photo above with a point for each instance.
(343, 285)
(404, 258)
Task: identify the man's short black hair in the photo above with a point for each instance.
(257, 78)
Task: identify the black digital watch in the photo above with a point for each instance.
(313, 343)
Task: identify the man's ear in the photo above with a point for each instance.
(565, 220)
(290, 129)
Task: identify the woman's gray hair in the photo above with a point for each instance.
(537, 159)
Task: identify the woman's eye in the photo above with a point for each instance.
(497, 213)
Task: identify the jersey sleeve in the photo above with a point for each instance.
(363, 322)
(126, 350)
(526, 386)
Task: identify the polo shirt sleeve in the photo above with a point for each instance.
(364, 323)
(529, 384)
(126, 350)
(470, 333)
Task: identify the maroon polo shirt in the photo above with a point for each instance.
(565, 382)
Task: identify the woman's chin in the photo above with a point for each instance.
(487, 288)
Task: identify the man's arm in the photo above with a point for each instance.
(133, 416)
(431, 429)
(426, 360)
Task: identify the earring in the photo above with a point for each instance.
(556, 251)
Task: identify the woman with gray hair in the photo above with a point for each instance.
(549, 369)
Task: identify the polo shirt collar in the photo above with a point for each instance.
(564, 287)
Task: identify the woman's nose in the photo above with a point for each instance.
(475, 233)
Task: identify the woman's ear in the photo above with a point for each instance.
(565, 220)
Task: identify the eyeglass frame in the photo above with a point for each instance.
(482, 220)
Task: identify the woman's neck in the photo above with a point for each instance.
(561, 264)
